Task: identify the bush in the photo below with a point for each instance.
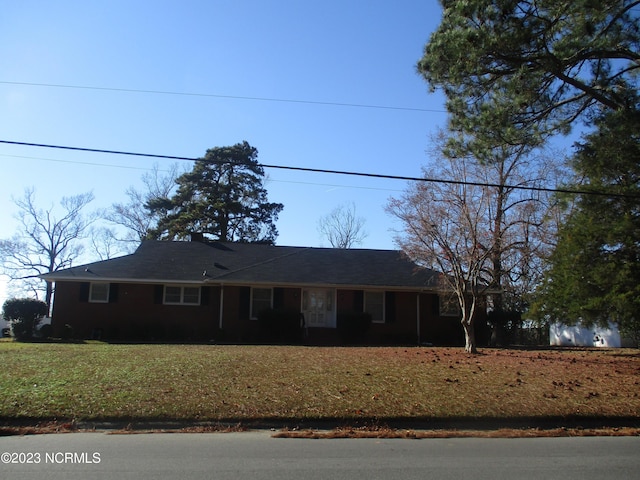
(46, 331)
(280, 325)
(67, 332)
(504, 325)
(353, 326)
(24, 314)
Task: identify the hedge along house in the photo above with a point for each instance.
(234, 292)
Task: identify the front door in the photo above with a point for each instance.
(317, 306)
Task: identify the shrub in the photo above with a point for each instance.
(46, 331)
(24, 314)
(353, 326)
(67, 332)
(505, 325)
(280, 325)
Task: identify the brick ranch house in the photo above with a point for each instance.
(235, 292)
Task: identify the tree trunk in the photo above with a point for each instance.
(469, 337)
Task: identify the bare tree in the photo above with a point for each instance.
(105, 243)
(135, 216)
(342, 227)
(480, 231)
(45, 242)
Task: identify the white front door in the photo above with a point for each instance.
(317, 306)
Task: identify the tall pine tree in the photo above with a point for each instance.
(223, 198)
(518, 71)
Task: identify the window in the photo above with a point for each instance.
(191, 295)
(449, 306)
(260, 301)
(174, 295)
(99, 293)
(374, 305)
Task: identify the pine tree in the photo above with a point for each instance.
(223, 198)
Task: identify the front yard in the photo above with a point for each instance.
(98, 382)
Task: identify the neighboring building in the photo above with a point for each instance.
(561, 335)
(203, 291)
(5, 327)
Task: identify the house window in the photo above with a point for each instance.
(99, 293)
(261, 300)
(449, 306)
(374, 306)
(174, 295)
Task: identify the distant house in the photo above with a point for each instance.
(235, 292)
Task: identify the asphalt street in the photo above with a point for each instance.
(257, 456)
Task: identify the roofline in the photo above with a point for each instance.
(214, 282)
(49, 278)
(330, 285)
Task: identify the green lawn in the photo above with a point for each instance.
(98, 381)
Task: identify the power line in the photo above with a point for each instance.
(129, 167)
(335, 172)
(213, 95)
(76, 162)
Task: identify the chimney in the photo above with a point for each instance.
(197, 237)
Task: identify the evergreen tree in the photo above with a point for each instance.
(517, 71)
(595, 269)
(24, 314)
(223, 198)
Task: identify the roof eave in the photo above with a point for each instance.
(96, 278)
(216, 282)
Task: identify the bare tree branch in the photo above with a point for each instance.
(45, 242)
(342, 227)
(135, 216)
(484, 237)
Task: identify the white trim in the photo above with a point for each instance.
(240, 283)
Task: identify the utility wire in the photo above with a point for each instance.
(77, 162)
(129, 167)
(335, 172)
(212, 95)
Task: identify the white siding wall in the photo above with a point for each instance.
(578, 336)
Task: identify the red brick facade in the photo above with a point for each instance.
(138, 312)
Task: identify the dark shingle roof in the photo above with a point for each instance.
(246, 263)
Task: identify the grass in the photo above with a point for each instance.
(209, 383)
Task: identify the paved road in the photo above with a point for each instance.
(260, 457)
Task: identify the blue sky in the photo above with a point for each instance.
(357, 52)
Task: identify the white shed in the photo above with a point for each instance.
(561, 335)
